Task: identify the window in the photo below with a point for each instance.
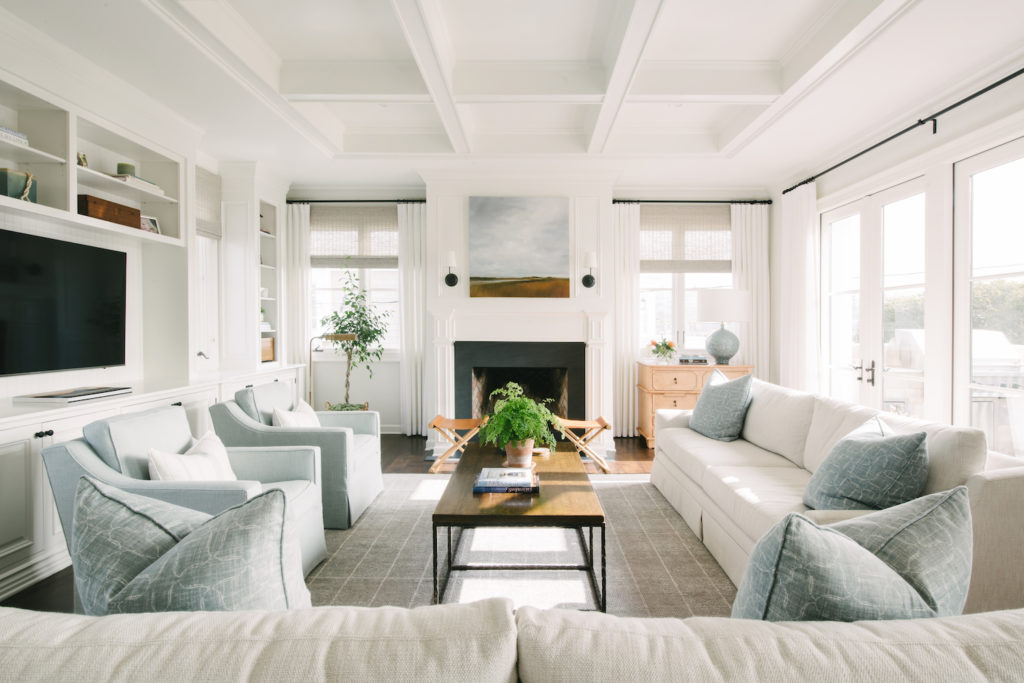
(683, 248)
(989, 297)
(362, 238)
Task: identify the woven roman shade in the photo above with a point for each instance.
(353, 235)
(685, 238)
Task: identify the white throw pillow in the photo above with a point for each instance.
(206, 460)
(302, 416)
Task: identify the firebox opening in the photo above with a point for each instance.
(537, 383)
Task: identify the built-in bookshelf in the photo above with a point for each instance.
(268, 277)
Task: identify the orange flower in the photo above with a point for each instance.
(671, 345)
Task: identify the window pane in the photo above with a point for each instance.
(654, 313)
(844, 330)
(903, 338)
(903, 235)
(997, 220)
(844, 259)
(997, 332)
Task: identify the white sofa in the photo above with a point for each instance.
(486, 641)
(731, 493)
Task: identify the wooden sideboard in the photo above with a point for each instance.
(673, 386)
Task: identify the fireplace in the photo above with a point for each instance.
(555, 370)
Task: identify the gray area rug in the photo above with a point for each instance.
(656, 566)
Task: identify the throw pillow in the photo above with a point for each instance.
(206, 460)
(722, 407)
(136, 554)
(871, 468)
(909, 561)
(302, 416)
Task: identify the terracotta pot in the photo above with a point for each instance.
(519, 454)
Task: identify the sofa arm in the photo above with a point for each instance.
(279, 463)
(668, 418)
(997, 508)
(359, 421)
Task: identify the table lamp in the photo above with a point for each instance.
(722, 306)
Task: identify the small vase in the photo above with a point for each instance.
(519, 454)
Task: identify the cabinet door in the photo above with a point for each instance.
(196, 404)
(18, 453)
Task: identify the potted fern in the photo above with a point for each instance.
(518, 423)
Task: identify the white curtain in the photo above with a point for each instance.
(799, 289)
(750, 272)
(412, 226)
(627, 296)
(296, 289)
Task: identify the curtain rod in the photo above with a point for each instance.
(691, 201)
(355, 201)
(933, 119)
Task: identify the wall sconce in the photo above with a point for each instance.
(589, 280)
(451, 279)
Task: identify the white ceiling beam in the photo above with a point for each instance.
(535, 81)
(721, 82)
(425, 31)
(623, 69)
(825, 48)
(352, 81)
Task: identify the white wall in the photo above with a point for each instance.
(381, 392)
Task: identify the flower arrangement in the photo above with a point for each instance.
(664, 349)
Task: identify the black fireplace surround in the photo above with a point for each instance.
(569, 357)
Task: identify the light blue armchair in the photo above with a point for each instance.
(115, 451)
(349, 445)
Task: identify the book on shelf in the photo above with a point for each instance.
(13, 136)
(137, 182)
(73, 395)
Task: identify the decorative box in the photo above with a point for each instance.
(266, 349)
(109, 211)
(12, 184)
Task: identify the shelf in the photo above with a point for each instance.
(26, 154)
(41, 210)
(267, 298)
(263, 265)
(102, 182)
(267, 235)
(268, 331)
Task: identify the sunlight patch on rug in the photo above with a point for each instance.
(540, 593)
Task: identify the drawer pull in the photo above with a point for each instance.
(176, 403)
(674, 404)
(675, 380)
(40, 435)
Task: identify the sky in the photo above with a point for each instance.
(518, 236)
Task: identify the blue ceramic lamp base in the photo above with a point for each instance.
(722, 345)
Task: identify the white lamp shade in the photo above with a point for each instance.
(723, 305)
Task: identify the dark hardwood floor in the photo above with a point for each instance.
(404, 454)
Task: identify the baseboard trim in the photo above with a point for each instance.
(32, 572)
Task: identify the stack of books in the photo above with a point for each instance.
(11, 135)
(693, 360)
(137, 182)
(506, 480)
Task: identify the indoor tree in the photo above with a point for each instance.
(357, 317)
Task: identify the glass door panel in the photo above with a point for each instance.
(841, 242)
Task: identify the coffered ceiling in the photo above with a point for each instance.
(738, 95)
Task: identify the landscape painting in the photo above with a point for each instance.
(519, 247)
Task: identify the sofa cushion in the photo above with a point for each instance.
(259, 402)
(566, 645)
(721, 407)
(755, 498)
(832, 420)
(778, 419)
(870, 468)
(908, 561)
(693, 453)
(138, 554)
(123, 441)
(462, 643)
(206, 460)
(954, 453)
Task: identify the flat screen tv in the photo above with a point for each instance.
(62, 305)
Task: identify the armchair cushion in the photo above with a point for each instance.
(207, 460)
(123, 441)
(259, 402)
(137, 554)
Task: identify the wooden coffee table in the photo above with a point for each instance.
(566, 500)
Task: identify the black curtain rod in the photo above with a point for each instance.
(933, 119)
(355, 201)
(691, 201)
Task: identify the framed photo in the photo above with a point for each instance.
(150, 224)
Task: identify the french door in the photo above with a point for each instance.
(989, 296)
(873, 300)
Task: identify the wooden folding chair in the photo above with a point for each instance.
(591, 429)
(449, 428)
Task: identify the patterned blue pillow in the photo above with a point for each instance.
(871, 468)
(906, 562)
(136, 554)
(722, 407)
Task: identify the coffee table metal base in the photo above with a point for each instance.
(600, 593)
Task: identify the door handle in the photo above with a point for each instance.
(871, 373)
(860, 371)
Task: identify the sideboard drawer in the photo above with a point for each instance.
(676, 379)
(675, 401)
